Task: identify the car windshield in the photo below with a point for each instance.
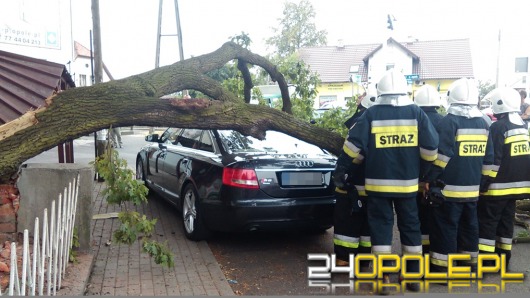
(274, 142)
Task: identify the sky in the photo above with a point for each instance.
(129, 28)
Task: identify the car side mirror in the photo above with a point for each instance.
(152, 138)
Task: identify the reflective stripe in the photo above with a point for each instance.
(428, 155)
(381, 249)
(490, 170)
(345, 241)
(471, 134)
(505, 240)
(394, 122)
(486, 245)
(517, 138)
(340, 190)
(486, 241)
(358, 160)
(504, 243)
(350, 149)
(407, 249)
(509, 188)
(425, 240)
(366, 241)
(504, 246)
(438, 259)
(391, 185)
(487, 248)
(361, 190)
(442, 160)
(491, 167)
(516, 131)
(473, 254)
(460, 191)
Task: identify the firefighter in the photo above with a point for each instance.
(465, 157)
(511, 174)
(351, 231)
(390, 138)
(428, 99)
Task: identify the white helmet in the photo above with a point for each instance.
(463, 91)
(427, 96)
(370, 97)
(504, 100)
(393, 82)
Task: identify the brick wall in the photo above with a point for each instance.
(9, 203)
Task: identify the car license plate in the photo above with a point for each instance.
(302, 179)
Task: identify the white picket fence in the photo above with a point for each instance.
(43, 271)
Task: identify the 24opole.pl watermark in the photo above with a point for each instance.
(457, 276)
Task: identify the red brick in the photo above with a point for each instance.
(8, 189)
(7, 213)
(8, 227)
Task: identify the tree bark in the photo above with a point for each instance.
(136, 101)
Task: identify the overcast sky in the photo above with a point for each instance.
(129, 28)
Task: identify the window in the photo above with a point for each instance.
(82, 80)
(170, 136)
(190, 138)
(389, 66)
(521, 64)
(206, 142)
(327, 98)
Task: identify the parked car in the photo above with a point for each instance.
(221, 180)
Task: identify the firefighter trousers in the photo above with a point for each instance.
(454, 229)
(496, 220)
(424, 213)
(351, 231)
(381, 221)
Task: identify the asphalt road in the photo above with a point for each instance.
(276, 263)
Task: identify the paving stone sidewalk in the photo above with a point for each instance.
(122, 270)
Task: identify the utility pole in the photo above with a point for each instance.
(98, 56)
(159, 33)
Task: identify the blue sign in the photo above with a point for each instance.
(412, 77)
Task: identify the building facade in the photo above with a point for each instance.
(346, 71)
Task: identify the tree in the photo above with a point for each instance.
(136, 101)
(297, 29)
(485, 88)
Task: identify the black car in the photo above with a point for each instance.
(222, 180)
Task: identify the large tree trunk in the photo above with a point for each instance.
(136, 101)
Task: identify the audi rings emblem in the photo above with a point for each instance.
(304, 164)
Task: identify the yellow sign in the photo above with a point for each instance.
(402, 139)
(520, 148)
(472, 149)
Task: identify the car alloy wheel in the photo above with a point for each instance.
(140, 175)
(191, 218)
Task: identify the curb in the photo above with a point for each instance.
(77, 275)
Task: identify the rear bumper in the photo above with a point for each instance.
(269, 214)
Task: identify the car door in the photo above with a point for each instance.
(156, 155)
(176, 164)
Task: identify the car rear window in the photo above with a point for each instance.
(274, 142)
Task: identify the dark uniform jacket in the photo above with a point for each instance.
(465, 154)
(393, 139)
(511, 161)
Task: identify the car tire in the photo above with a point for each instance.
(192, 221)
(140, 171)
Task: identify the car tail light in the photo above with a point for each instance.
(245, 178)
